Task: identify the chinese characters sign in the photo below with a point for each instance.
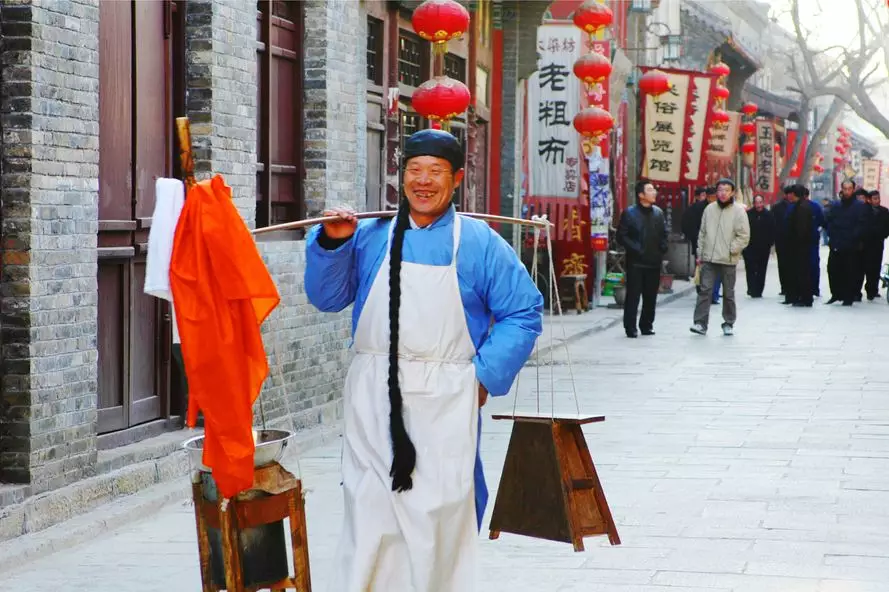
(702, 87)
(665, 132)
(764, 171)
(871, 173)
(553, 100)
(724, 141)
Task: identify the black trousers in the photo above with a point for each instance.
(843, 274)
(873, 261)
(755, 264)
(799, 276)
(642, 282)
(783, 259)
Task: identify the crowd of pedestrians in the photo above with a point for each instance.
(722, 231)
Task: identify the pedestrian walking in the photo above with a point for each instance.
(819, 223)
(779, 212)
(725, 232)
(847, 224)
(425, 287)
(642, 231)
(798, 249)
(878, 231)
(756, 255)
(825, 208)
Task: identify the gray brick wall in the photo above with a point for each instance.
(50, 191)
(308, 350)
(49, 178)
(221, 101)
(335, 104)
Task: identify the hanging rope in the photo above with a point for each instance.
(552, 271)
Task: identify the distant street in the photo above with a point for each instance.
(752, 463)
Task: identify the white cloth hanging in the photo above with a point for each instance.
(424, 539)
(169, 196)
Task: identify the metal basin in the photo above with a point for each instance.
(270, 446)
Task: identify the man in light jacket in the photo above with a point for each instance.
(725, 232)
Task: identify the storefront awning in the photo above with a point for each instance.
(770, 103)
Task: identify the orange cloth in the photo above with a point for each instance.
(222, 292)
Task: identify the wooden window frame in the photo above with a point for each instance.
(267, 19)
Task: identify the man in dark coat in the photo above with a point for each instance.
(819, 221)
(779, 212)
(798, 249)
(691, 220)
(756, 255)
(878, 230)
(846, 225)
(642, 231)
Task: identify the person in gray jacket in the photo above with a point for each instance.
(725, 232)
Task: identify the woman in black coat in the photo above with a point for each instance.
(756, 255)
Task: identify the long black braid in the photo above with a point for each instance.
(404, 455)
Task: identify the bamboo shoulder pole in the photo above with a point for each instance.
(183, 130)
(539, 222)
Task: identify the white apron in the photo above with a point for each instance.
(424, 539)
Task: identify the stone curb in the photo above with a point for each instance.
(64, 518)
(608, 323)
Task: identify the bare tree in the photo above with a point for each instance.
(845, 72)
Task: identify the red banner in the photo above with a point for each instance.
(666, 128)
(797, 169)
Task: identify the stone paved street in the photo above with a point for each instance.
(753, 463)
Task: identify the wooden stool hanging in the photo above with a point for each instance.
(549, 488)
(281, 497)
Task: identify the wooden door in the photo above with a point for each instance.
(134, 141)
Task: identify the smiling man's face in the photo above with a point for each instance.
(429, 183)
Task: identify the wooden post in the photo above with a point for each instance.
(183, 130)
(197, 496)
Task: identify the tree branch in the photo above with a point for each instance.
(833, 113)
(802, 132)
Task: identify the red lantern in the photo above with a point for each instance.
(841, 149)
(818, 169)
(439, 21)
(655, 83)
(592, 68)
(748, 148)
(720, 70)
(721, 92)
(841, 129)
(720, 116)
(440, 98)
(838, 160)
(592, 17)
(748, 127)
(749, 109)
(600, 243)
(593, 123)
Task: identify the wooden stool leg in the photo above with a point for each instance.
(197, 496)
(299, 539)
(578, 303)
(230, 554)
(598, 492)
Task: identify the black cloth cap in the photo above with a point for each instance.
(725, 181)
(433, 142)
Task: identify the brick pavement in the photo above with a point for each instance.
(752, 463)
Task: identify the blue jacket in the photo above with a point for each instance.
(494, 286)
(847, 224)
